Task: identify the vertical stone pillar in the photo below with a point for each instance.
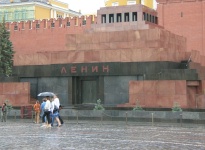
(107, 18)
(123, 16)
(115, 17)
(51, 14)
(130, 17)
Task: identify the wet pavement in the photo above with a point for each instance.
(23, 134)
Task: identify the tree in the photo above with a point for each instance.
(6, 51)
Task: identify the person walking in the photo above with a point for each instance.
(47, 111)
(37, 107)
(42, 110)
(61, 120)
(4, 112)
(55, 110)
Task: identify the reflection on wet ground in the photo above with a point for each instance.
(91, 135)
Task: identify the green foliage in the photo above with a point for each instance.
(138, 107)
(6, 51)
(98, 105)
(8, 104)
(176, 107)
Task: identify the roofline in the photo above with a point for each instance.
(44, 5)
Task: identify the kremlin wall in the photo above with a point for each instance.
(123, 55)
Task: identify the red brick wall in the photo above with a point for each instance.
(185, 18)
(30, 40)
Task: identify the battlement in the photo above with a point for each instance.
(177, 1)
(81, 22)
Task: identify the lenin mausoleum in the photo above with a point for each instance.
(123, 55)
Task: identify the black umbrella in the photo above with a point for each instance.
(46, 94)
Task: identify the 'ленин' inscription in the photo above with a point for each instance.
(85, 69)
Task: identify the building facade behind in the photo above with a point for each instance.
(22, 10)
(148, 3)
(120, 57)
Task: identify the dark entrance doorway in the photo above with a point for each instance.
(85, 90)
(88, 91)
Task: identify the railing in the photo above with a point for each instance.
(130, 117)
(143, 118)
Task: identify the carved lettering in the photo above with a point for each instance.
(73, 69)
(84, 69)
(94, 68)
(106, 68)
(63, 70)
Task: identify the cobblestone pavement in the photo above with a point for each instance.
(94, 135)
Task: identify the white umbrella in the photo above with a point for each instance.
(46, 94)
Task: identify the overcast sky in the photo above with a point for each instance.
(86, 6)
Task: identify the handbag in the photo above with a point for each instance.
(55, 109)
(45, 110)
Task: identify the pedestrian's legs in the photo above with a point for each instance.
(1, 116)
(52, 119)
(48, 118)
(4, 116)
(37, 117)
(61, 120)
(43, 117)
(59, 123)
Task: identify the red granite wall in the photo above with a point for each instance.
(163, 94)
(117, 46)
(18, 93)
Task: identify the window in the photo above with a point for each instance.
(15, 27)
(68, 24)
(147, 17)
(127, 17)
(16, 15)
(84, 22)
(119, 17)
(131, 2)
(115, 4)
(52, 24)
(144, 16)
(37, 26)
(134, 16)
(6, 15)
(59, 16)
(24, 14)
(111, 18)
(153, 19)
(103, 18)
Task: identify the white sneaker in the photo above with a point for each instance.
(44, 125)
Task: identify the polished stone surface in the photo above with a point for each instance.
(91, 135)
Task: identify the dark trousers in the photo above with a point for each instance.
(47, 114)
(61, 120)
